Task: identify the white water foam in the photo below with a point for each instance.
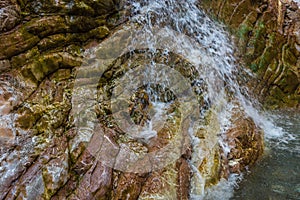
(217, 66)
(213, 57)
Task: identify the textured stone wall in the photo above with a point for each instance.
(41, 45)
(268, 36)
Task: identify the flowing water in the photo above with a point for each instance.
(277, 175)
(206, 88)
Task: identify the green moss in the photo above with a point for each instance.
(81, 8)
(215, 170)
(272, 69)
(52, 41)
(289, 82)
(256, 44)
(266, 59)
(254, 67)
(261, 25)
(22, 59)
(61, 75)
(243, 31)
(99, 32)
(291, 101)
(27, 119)
(75, 50)
(288, 56)
(16, 42)
(277, 93)
(272, 38)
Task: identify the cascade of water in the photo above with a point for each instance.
(213, 57)
(206, 46)
(205, 86)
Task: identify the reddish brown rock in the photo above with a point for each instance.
(49, 158)
(10, 15)
(128, 186)
(40, 55)
(96, 183)
(246, 142)
(183, 179)
(6, 134)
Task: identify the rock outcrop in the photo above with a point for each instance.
(10, 15)
(41, 44)
(268, 35)
(42, 153)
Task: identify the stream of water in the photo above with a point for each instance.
(206, 90)
(277, 174)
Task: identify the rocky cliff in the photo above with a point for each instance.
(268, 36)
(41, 157)
(41, 44)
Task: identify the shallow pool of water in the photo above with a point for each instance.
(277, 175)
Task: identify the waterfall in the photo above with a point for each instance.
(177, 67)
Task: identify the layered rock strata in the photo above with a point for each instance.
(41, 157)
(268, 35)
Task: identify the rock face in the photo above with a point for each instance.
(268, 35)
(41, 43)
(44, 156)
(245, 141)
(10, 15)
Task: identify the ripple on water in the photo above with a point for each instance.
(277, 175)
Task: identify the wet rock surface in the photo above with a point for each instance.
(246, 142)
(10, 15)
(44, 156)
(267, 33)
(41, 44)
